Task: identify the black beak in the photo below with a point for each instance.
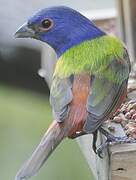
(24, 32)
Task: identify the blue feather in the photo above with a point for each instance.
(70, 28)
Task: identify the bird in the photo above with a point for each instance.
(89, 82)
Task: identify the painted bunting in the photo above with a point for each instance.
(89, 82)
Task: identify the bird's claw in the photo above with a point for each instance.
(113, 140)
(110, 140)
(101, 150)
(94, 142)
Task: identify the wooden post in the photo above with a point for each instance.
(126, 24)
(123, 162)
(119, 162)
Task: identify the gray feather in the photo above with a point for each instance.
(105, 94)
(60, 97)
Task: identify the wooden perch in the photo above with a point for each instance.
(119, 162)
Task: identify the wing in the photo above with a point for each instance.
(107, 92)
(61, 96)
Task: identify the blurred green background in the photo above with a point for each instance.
(24, 117)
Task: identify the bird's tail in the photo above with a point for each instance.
(54, 135)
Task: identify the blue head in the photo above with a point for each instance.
(61, 27)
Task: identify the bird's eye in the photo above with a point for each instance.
(47, 24)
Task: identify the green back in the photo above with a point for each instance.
(91, 57)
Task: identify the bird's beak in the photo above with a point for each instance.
(24, 32)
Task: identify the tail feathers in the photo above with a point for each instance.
(49, 142)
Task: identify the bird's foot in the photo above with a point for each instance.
(112, 140)
(94, 141)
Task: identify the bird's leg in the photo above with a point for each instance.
(94, 141)
(112, 139)
(81, 133)
(104, 146)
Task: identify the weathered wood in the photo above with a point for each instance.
(101, 168)
(119, 163)
(126, 24)
(123, 162)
